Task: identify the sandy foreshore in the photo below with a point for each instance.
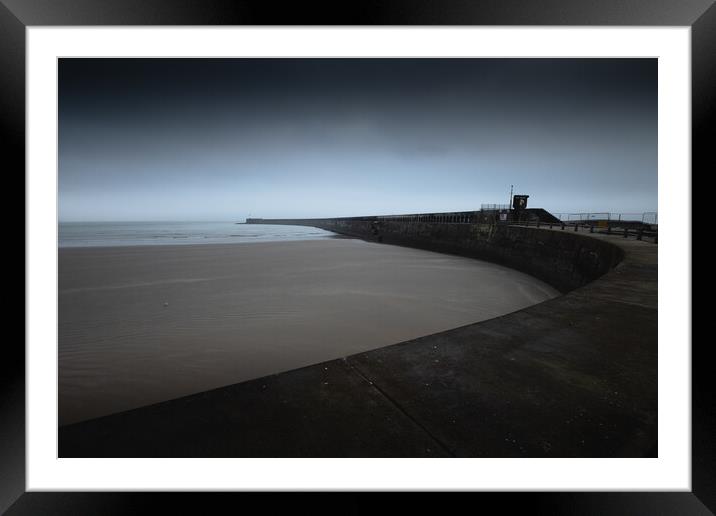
(140, 325)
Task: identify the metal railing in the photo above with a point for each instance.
(646, 217)
(494, 207)
(622, 228)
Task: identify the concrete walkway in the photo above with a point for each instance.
(575, 376)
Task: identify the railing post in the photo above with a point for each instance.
(576, 227)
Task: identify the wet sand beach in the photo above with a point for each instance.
(144, 324)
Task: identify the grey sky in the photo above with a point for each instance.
(218, 139)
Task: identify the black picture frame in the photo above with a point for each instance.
(16, 15)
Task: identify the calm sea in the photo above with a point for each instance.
(101, 234)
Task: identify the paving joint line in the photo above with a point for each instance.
(397, 406)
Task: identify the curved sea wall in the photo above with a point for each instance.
(563, 258)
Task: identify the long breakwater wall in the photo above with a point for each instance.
(564, 259)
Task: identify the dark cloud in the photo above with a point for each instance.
(218, 138)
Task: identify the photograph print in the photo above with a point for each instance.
(357, 257)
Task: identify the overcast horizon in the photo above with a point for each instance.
(222, 139)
